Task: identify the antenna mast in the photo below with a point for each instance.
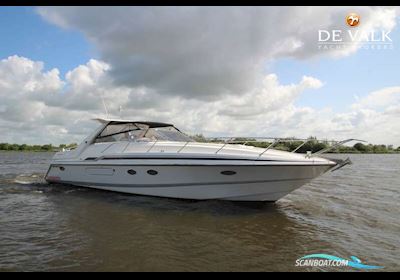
(104, 104)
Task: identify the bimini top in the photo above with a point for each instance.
(116, 121)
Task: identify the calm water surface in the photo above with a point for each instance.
(351, 212)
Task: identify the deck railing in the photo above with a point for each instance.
(275, 140)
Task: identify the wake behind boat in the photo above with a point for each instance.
(157, 159)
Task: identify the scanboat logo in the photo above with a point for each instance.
(353, 19)
(323, 260)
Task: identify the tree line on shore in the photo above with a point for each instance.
(312, 145)
(35, 148)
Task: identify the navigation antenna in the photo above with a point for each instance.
(104, 104)
(120, 111)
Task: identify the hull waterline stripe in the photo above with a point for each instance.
(90, 164)
(179, 184)
(186, 158)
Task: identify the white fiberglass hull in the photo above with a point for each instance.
(249, 182)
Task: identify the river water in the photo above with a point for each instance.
(354, 211)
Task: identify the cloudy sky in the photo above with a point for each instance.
(219, 71)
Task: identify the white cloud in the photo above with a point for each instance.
(57, 110)
(380, 99)
(37, 103)
(198, 67)
(206, 52)
(19, 75)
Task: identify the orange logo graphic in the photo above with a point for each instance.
(353, 19)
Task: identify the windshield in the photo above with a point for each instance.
(140, 133)
(118, 132)
(168, 133)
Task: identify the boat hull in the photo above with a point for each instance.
(251, 182)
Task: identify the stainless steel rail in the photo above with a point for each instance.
(275, 140)
(337, 144)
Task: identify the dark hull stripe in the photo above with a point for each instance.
(183, 158)
(186, 165)
(180, 184)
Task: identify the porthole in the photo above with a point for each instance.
(62, 168)
(228, 172)
(131, 172)
(152, 172)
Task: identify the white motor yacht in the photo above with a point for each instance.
(157, 159)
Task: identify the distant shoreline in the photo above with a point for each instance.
(29, 151)
(312, 145)
(6, 147)
(352, 153)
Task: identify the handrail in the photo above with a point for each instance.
(299, 146)
(274, 142)
(277, 140)
(183, 147)
(270, 146)
(256, 139)
(336, 145)
(223, 146)
(152, 146)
